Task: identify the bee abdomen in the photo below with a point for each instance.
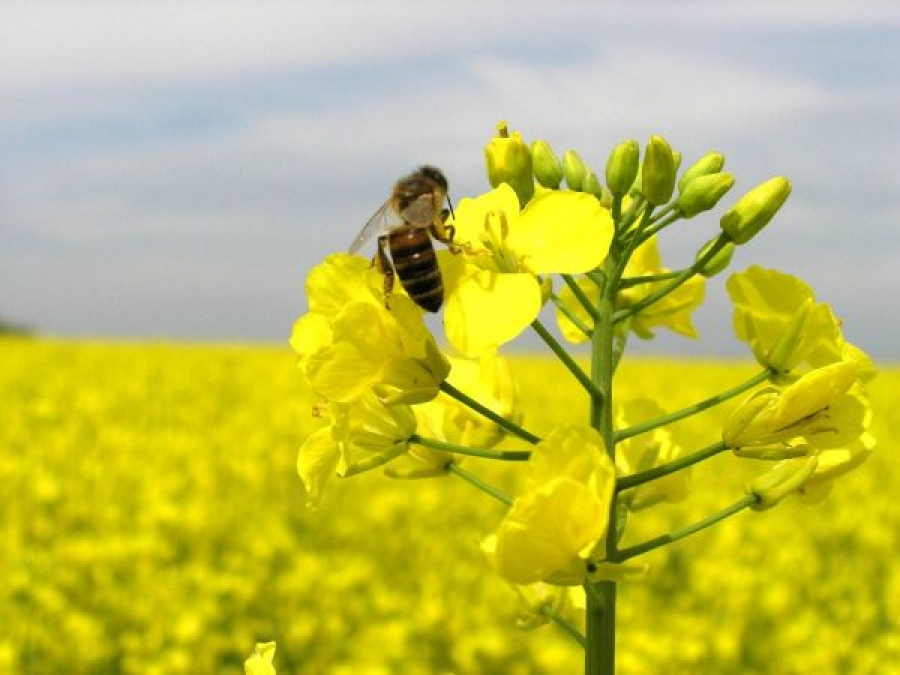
(416, 265)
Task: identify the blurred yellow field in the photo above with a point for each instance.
(153, 522)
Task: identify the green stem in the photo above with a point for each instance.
(580, 295)
(499, 420)
(485, 487)
(487, 453)
(567, 626)
(635, 479)
(665, 420)
(660, 222)
(675, 283)
(675, 535)
(600, 610)
(629, 282)
(567, 359)
(570, 315)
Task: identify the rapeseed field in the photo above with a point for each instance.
(153, 522)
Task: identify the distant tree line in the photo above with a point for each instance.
(10, 328)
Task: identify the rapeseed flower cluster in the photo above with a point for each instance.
(392, 397)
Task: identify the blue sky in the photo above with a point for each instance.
(171, 171)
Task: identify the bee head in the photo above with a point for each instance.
(434, 174)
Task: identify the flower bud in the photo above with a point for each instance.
(573, 169)
(546, 165)
(658, 171)
(718, 262)
(509, 161)
(780, 481)
(755, 209)
(711, 162)
(742, 419)
(622, 166)
(781, 355)
(703, 193)
(591, 185)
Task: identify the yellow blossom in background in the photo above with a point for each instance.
(350, 343)
(673, 311)
(552, 530)
(260, 662)
(492, 294)
(646, 451)
(777, 316)
(362, 435)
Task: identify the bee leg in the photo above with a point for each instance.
(447, 237)
(385, 267)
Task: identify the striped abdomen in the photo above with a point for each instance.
(416, 264)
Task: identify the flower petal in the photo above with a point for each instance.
(563, 232)
(485, 309)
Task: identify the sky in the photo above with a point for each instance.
(174, 170)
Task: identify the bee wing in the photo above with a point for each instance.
(383, 220)
(421, 212)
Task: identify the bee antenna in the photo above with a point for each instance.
(450, 206)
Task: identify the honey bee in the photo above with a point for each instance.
(405, 225)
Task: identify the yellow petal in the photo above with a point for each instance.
(339, 279)
(316, 463)
(546, 531)
(311, 333)
(485, 309)
(471, 214)
(561, 232)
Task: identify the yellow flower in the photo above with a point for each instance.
(350, 343)
(823, 407)
(362, 435)
(776, 314)
(260, 662)
(646, 451)
(553, 530)
(673, 311)
(833, 463)
(492, 293)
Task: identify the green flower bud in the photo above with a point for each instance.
(718, 262)
(658, 171)
(591, 185)
(711, 162)
(781, 480)
(782, 351)
(509, 161)
(754, 210)
(546, 165)
(676, 158)
(622, 166)
(703, 193)
(573, 169)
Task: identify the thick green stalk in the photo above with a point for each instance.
(600, 653)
